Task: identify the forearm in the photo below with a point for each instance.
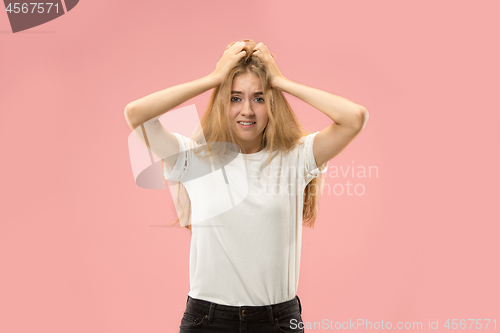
(153, 105)
(342, 111)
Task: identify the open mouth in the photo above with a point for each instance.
(246, 124)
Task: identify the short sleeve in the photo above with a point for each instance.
(178, 172)
(311, 170)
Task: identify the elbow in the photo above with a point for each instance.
(128, 110)
(362, 118)
(363, 114)
(129, 116)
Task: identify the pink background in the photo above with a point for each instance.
(84, 249)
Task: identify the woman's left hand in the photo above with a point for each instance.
(262, 52)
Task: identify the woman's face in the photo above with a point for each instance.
(247, 105)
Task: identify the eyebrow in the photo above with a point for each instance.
(239, 92)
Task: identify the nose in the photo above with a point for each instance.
(246, 109)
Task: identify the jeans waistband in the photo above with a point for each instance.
(244, 312)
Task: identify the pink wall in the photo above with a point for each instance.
(83, 249)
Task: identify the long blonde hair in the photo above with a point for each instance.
(282, 132)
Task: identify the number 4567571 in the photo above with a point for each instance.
(15, 8)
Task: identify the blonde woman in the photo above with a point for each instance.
(245, 260)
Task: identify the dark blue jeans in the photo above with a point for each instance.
(203, 316)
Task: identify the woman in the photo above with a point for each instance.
(245, 255)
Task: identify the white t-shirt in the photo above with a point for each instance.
(246, 225)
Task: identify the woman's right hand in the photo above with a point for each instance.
(230, 57)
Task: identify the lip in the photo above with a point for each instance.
(246, 126)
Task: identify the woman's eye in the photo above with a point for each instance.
(258, 99)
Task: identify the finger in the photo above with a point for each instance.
(262, 51)
(240, 47)
(231, 45)
(234, 45)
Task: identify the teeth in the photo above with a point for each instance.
(245, 123)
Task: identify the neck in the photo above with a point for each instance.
(251, 147)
